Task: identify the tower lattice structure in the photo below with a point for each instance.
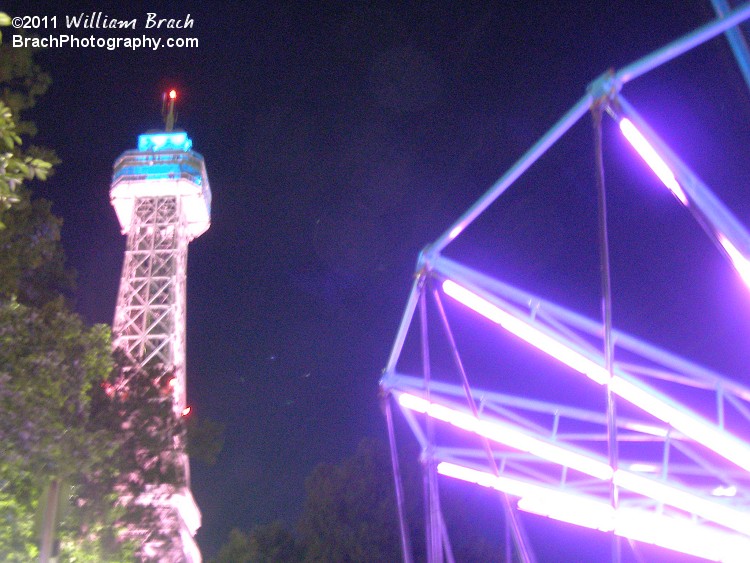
(162, 198)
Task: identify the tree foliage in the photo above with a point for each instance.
(136, 406)
(349, 512)
(32, 262)
(235, 550)
(205, 439)
(22, 81)
(268, 543)
(16, 166)
(349, 515)
(4, 22)
(106, 434)
(49, 363)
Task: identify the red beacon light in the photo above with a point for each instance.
(167, 109)
(186, 411)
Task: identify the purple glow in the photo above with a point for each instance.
(509, 436)
(741, 264)
(455, 232)
(570, 508)
(681, 535)
(511, 486)
(643, 467)
(530, 334)
(646, 428)
(652, 158)
(722, 491)
(675, 415)
(648, 487)
(705, 508)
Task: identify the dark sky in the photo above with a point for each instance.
(342, 137)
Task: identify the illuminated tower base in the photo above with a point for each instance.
(162, 198)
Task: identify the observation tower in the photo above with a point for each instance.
(162, 198)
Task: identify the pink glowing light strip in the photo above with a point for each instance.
(741, 264)
(708, 435)
(652, 158)
(671, 533)
(684, 500)
(680, 535)
(509, 436)
(526, 332)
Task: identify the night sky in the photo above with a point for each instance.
(341, 138)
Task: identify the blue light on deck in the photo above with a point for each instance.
(177, 141)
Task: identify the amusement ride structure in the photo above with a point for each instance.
(662, 458)
(161, 194)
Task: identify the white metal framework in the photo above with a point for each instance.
(149, 320)
(162, 198)
(665, 461)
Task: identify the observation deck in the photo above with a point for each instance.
(163, 165)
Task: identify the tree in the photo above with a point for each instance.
(205, 439)
(273, 543)
(22, 82)
(136, 406)
(349, 515)
(32, 261)
(268, 543)
(236, 550)
(15, 166)
(49, 362)
(349, 512)
(73, 428)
